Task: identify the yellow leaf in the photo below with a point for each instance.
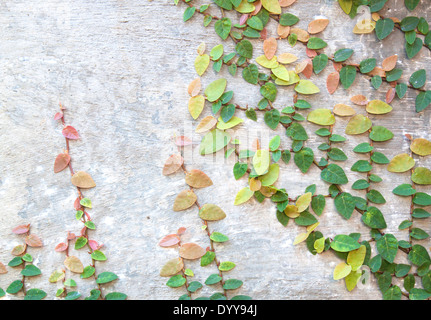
(286, 58)
(342, 270)
(303, 201)
(356, 257)
(346, 5)
(401, 163)
(206, 124)
(343, 110)
(421, 147)
(300, 238)
(364, 26)
(196, 105)
(245, 7)
(261, 161)
(293, 78)
(243, 196)
(319, 245)
(234, 121)
(272, 176)
(291, 211)
(255, 184)
(269, 64)
(378, 107)
(311, 228)
(201, 63)
(281, 73)
(273, 6)
(352, 279)
(306, 87)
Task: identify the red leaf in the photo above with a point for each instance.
(337, 66)
(71, 236)
(332, 82)
(94, 245)
(83, 231)
(70, 133)
(169, 240)
(263, 34)
(61, 162)
(181, 231)
(308, 71)
(390, 95)
(58, 115)
(182, 141)
(77, 204)
(21, 229)
(61, 247)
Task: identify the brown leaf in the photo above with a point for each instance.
(82, 179)
(255, 184)
(270, 47)
(191, 251)
(390, 95)
(172, 267)
(173, 163)
(197, 179)
(19, 250)
(283, 31)
(74, 264)
(360, 100)
(206, 124)
(303, 35)
(317, 26)
(77, 204)
(285, 3)
(33, 241)
(169, 240)
(332, 82)
(389, 63)
(308, 71)
(3, 269)
(24, 228)
(70, 133)
(61, 247)
(264, 34)
(194, 87)
(61, 162)
(184, 200)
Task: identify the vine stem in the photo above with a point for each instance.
(86, 216)
(205, 223)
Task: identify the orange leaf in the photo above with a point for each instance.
(19, 250)
(310, 53)
(33, 241)
(270, 47)
(173, 163)
(197, 179)
(317, 26)
(191, 251)
(285, 3)
(206, 124)
(337, 66)
(390, 95)
(82, 179)
(332, 82)
(61, 162)
(257, 7)
(359, 99)
(172, 267)
(303, 35)
(184, 200)
(283, 31)
(181, 231)
(389, 63)
(3, 269)
(61, 247)
(194, 87)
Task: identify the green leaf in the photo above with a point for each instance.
(251, 74)
(404, 190)
(343, 243)
(319, 63)
(31, 271)
(218, 237)
(422, 199)
(214, 141)
(116, 296)
(418, 79)
(272, 118)
(305, 219)
(375, 197)
(88, 272)
(304, 159)
(384, 27)
(316, 43)
(367, 65)
(380, 134)
(226, 266)
(345, 204)
(409, 23)
(423, 100)
(15, 287)
(387, 246)
(188, 13)
(215, 89)
(393, 293)
(342, 55)
(376, 81)
(373, 218)
(288, 19)
(419, 234)
(222, 27)
(80, 243)
(232, 284)
(176, 281)
(297, 132)
(269, 91)
(239, 170)
(413, 49)
(419, 294)
(411, 4)
(334, 174)
(98, 256)
(347, 76)
(362, 166)
(194, 286)
(207, 258)
(360, 184)
(106, 277)
(213, 279)
(418, 255)
(73, 295)
(245, 49)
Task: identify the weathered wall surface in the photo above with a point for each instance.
(122, 69)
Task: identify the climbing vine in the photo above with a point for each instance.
(261, 166)
(81, 180)
(175, 268)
